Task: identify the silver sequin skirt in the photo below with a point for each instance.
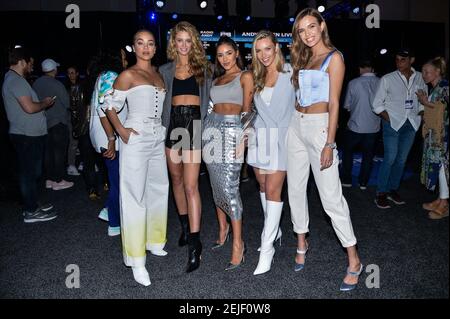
(221, 136)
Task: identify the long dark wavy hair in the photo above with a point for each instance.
(108, 59)
(218, 69)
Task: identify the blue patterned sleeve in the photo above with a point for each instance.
(106, 85)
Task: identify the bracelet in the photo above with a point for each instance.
(331, 145)
(112, 138)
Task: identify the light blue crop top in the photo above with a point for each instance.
(314, 85)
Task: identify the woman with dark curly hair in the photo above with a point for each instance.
(187, 79)
(103, 138)
(144, 183)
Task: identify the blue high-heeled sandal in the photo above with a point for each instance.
(299, 267)
(349, 287)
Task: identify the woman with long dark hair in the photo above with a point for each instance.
(231, 95)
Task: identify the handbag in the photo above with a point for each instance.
(434, 120)
(247, 122)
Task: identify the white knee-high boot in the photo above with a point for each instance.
(264, 206)
(271, 225)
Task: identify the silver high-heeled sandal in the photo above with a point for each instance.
(217, 245)
(233, 266)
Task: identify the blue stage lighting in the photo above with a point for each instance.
(248, 18)
(174, 16)
(219, 17)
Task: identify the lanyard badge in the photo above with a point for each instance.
(409, 99)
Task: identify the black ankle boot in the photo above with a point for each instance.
(195, 251)
(184, 220)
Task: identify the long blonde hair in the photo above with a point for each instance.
(440, 64)
(300, 52)
(198, 62)
(259, 70)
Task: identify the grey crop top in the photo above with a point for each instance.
(231, 92)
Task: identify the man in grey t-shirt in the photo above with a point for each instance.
(27, 131)
(363, 125)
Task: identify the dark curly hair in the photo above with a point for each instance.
(109, 59)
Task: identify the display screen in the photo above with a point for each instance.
(244, 40)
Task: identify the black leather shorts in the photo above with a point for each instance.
(185, 130)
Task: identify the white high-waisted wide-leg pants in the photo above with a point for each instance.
(307, 135)
(144, 188)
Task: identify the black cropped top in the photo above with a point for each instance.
(187, 86)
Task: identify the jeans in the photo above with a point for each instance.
(56, 152)
(367, 142)
(30, 154)
(72, 148)
(113, 201)
(397, 145)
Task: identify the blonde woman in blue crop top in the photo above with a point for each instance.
(318, 75)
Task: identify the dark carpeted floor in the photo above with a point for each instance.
(410, 251)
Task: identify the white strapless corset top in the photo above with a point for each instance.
(144, 100)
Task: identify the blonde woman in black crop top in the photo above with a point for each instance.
(187, 82)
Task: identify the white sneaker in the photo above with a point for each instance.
(61, 185)
(141, 275)
(103, 215)
(49, 183)
(346, 185)
(80, 167)
(72, 170)
(113, 231)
